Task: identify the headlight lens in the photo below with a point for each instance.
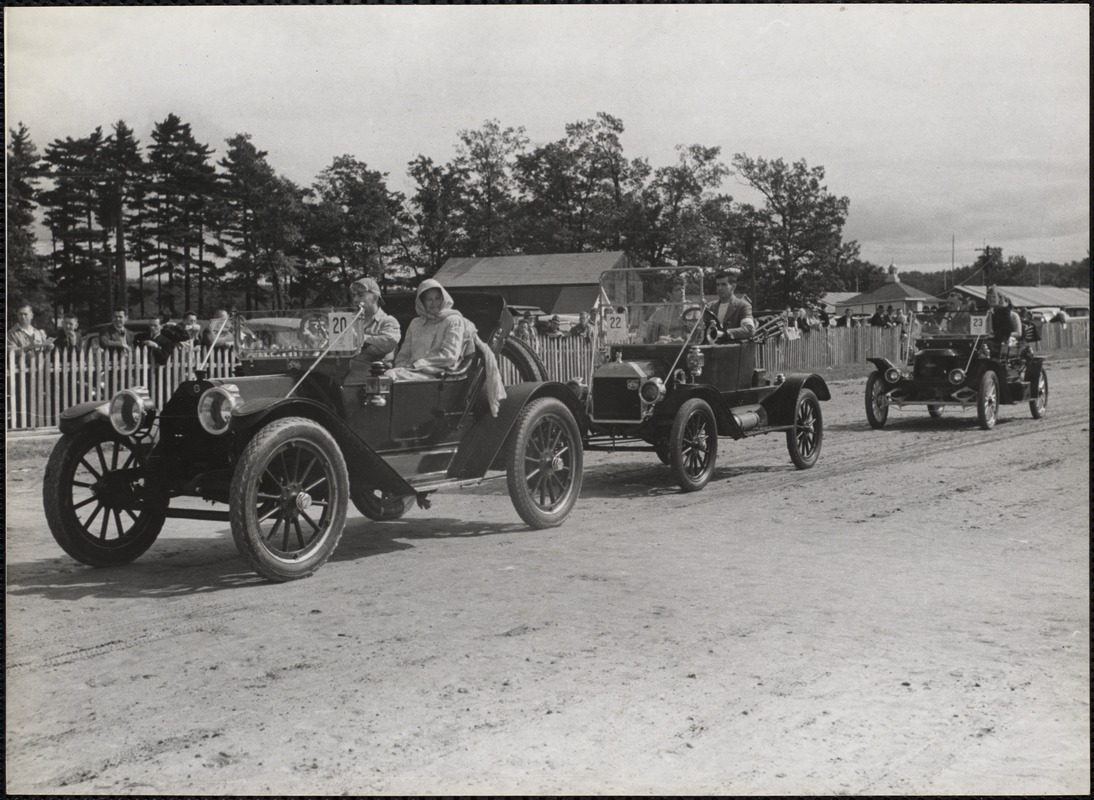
(892, 375)
(131, 410)
(652, 390)
(215, 408)
(956, 376)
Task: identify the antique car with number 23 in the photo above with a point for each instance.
(955, 362)
(301, 430)
(672, 383)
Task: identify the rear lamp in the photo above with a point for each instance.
(652, 390)
(131, 410)
(695, 361)
(215, 408)
(956, 376)
(892, 375)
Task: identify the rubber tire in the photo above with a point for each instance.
(807, 413)
(875, 415)
(257, 456)
(540, 412)
(527, 362)
(63, 521)
(381, 509)
(663, 456)
(935, 411)
(987, 400)
(1039, 404)
(699, 410)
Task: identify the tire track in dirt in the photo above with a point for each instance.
(602, 478)
(118, 636)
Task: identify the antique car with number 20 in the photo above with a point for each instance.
(955, 362)
(672, 383)
(301, 430)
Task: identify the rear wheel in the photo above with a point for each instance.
(987, 400)
(693, 445)
(288, 499)
(518, 360)
(935, 411)
(381, 506)
(877, 409)
(804, 439)
(544, 463)
(1039, 404)
(101, 505)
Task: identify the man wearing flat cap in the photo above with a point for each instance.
(380, 331)
(734, 314)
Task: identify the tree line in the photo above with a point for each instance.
(200, 231)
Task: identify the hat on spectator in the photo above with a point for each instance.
(369, 285)
(733, 272)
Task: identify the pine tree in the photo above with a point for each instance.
(182, 186)
(28, 278)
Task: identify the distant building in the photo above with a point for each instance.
(558, 283)
(891, 293)
(1075, 302)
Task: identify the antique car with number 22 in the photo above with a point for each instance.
(672, 383)
(298, 432)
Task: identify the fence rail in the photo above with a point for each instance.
(39, 386)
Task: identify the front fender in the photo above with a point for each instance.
(882, 364)
(481, 445)
(79, 416)
(367, 469)
(781, 404)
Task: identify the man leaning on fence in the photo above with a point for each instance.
(117, 336)
(23, 337)
(69, 340)
(161, 339)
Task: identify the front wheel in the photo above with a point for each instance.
(544, 463)
(987, 401)
(102, 506)
(804, 439)
(935, 411)
(693, 445)
(1039, 403)
(877, 410)
(288, 499)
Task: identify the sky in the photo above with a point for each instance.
(948, 126)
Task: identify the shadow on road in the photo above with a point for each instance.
(179, 566)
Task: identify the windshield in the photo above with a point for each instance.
(651, 306)
(946, 323)
(295, 333)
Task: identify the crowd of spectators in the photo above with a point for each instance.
(161, 339)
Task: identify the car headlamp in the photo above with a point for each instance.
(131, 410)
(652, 391)
(892, 375)
(956, 376)
(215, 408)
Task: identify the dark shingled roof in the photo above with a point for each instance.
(547, 269)
(887, 293)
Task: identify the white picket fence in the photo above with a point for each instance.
(38, 387)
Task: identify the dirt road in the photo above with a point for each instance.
(910, 616)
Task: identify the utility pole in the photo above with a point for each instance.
(953, 275)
